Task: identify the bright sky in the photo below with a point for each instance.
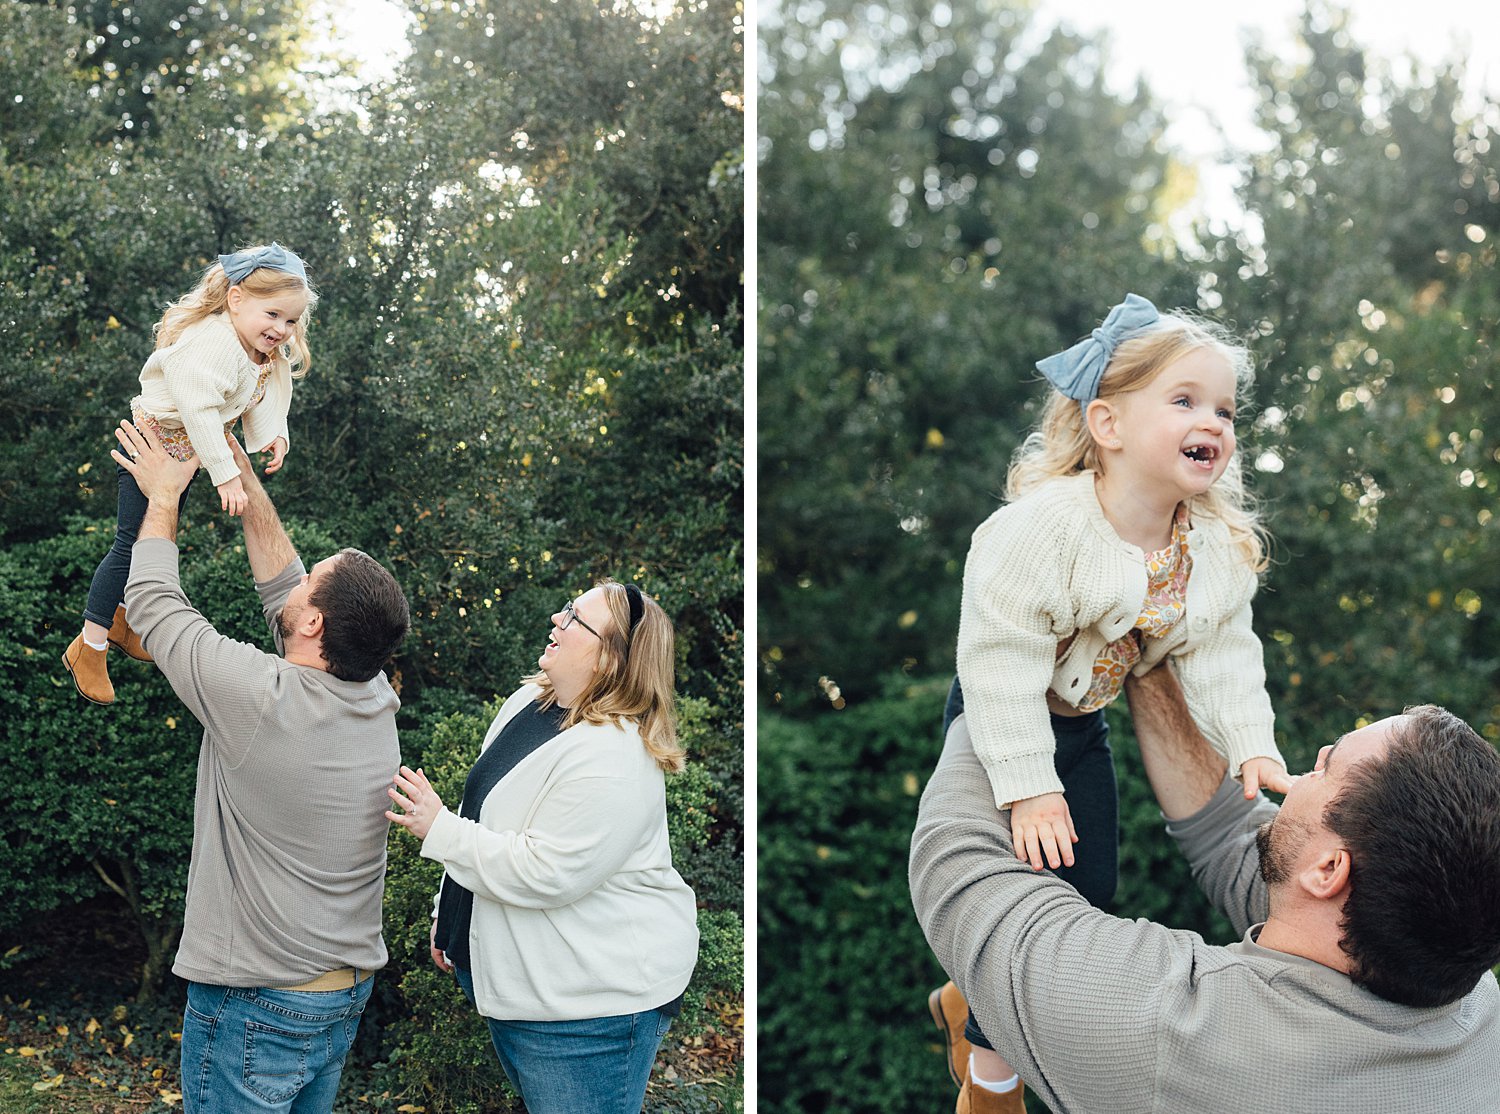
(373, 31)
(1192, 56)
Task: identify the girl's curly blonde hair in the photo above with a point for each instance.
(1061, 444)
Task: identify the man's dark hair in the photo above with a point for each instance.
(1421, 923)
(365, 615)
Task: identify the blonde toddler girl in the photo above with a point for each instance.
(227, 350)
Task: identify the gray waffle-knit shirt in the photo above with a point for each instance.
(289, 832)
(1102, 1015)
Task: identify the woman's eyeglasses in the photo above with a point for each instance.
(570, 616)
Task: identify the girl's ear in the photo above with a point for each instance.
(1103, 423)
(235, 294)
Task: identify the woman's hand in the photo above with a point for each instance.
(278, 454)
(439, 957)
(1043, 826)
(420, 806)
(1264, 773)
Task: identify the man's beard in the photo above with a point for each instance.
(1278, 849)
(284, 626)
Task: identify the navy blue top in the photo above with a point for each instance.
(527, 730)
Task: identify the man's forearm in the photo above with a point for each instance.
(266, 543)
(160, 520)
(1184, 771)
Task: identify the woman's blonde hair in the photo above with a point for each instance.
(211, 296)
(1061, 444)
(634, 680)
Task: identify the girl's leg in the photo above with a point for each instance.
(107, 590)
(1086, 766)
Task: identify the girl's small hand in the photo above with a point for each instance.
(232, 496)
(1043, 826)
(1264, 773)
(420, 806)
(439, 957)
(278, 454)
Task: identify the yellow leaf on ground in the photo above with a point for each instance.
(27, 1050)
(62, 1030)
(13, 951)
(92, 1027)
(170, 1097)
(47, 1084)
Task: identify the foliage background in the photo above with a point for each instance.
(948, 194)
(526, 374)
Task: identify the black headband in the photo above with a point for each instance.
(637, 609)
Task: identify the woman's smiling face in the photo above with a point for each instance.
(572, 656)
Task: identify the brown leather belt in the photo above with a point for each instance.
(341, 979)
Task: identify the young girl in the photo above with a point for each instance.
(227, 349)
(1127, 539)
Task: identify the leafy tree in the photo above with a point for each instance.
(132, 52)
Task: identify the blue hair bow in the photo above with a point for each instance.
(237, 266)
(1076, 372)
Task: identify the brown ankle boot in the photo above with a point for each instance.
(122, 638)
(89, 670)
(974, 1099)
(949, 1012)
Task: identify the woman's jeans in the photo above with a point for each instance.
(107, 590)
(1086, 767)
(262, 1050)
(599, 1064)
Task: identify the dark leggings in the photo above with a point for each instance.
(1087, 769)
(107, 589)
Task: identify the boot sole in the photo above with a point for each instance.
(74, 678)
(935, 1007)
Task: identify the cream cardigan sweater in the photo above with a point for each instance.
(578, 911)
(1049, 567)
(204, 382)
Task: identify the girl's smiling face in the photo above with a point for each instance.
(264, 324)
(1177, 432)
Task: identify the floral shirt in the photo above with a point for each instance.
(1167, 572)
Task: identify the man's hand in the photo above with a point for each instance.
(1043, 826)
(161, 478)
(1264, 773)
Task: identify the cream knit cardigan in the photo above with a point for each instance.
(578, 911)
(203, 382)
(1049, 567)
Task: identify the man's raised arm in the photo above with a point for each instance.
(1184, 771)
(266, 544)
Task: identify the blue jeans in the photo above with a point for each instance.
(599, 1064)
(1086, 766)
(257, 1049)
(107, 589)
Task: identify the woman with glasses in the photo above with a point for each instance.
(560, 912)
